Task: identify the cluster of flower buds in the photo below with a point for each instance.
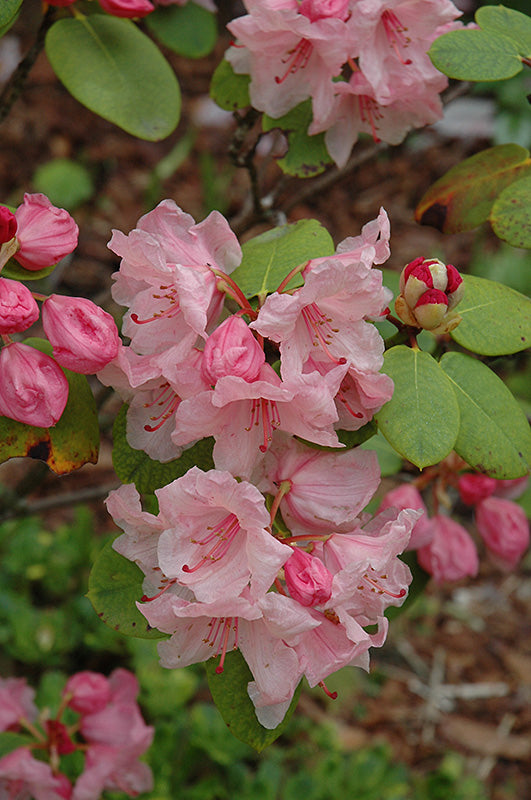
(267, 552)
(34, 389)
(445, 548)
(109, 732)
(363, 63)
(429, 293)
(132, 9)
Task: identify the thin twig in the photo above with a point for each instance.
(25, 508)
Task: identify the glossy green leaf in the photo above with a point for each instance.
(135, 466)
(389, 460)
(421, 421)
(8, 13)
(463, 197)
(507, 22)
(269, 257)
(189, 30)
(115, 585)
(115, 70)
(10, 741)
(229, 90)
(510, 215)
(229, 692)
(494, 435)
(307, 155)
(18, 273)
(66, 183)
(69, 444)
(495, 320)
(475, 55)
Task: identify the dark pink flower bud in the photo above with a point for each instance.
(408, 496)
(45, 234)
(451, 554)
(511, 489)
(429, 290)
(33, 388)
(8, 224)
(321, 9)
(83, 335)
(18, 309)
(90, 692)
(308, 580)
(127, 8)
(232, 350)
(474, 488)
(504, 527)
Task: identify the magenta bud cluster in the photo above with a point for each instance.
(429, 293)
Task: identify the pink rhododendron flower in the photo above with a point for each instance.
(166, 279)
(127, 8)
(511, 489)
(109, 768)
(407, 496)
(83, 335)
(232, 350)
(18, 309)
(90, 692)
(504, 528)
(33, 388)
(325, 491)
(308, 580)
(451, 554)
(16, 702)
(23, 776)
(45, 234)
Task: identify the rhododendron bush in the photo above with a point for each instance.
(264, 381)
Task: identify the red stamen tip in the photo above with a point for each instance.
(144, 598)
(219, 669)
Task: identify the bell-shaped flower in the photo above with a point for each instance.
(84, 336)
(451, 554)
(16, 703)
(504, 527)
(33, 389)
(45, 234)
(18, 309)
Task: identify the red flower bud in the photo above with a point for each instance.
(8, 224)
(474, 488)
(504, 528)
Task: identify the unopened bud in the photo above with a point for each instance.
(33, 388)
(504, 528)
(429, 291)
(232, 350)
(308, 580)
(18, 309)
(8, 224)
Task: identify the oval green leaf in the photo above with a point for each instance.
(72, 442)
(307, 155)
(8, 13)
(510, 215)
(494, 435)
(189, 30)
(421, 421)
(475, 55)
(135, 466)
(66, 183)
(507, 22)
(269, 257)
(17, 273)
(115, 70)
(229, 692)
(229, 90)
(115, 585)
(495, 320)
(462, 198)
(389, 460)
(10, 741)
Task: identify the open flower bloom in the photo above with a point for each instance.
(45, 234)
(33, 388)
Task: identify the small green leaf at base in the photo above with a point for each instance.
(229, 692)
(10, 741)
(189, 30)
(494, 435)
(228, 89)
(115, 584)
(307, 155)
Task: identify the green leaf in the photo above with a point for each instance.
(496, 320)
(354, 438)
(269, 257)
(66, 183)
(229, 692)
(8, 13)
(115, 585)
(229, 90)
(494, 435)
(135, 466)
(307, 155)
(17, 273)
(475, 55)
(507, 22)
(421, 421)
(510, 215)
(389, 460)
(188, 30)
(69, 444)
(115, 70)
(12, 741)
(463, 197)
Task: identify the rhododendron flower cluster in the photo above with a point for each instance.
(109, 732)
(445, 548)
(363, 63)
(267, 552)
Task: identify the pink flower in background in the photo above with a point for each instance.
(16, 702)
(127, 8)
(90, 692)
(18, 309)
(23, 776)
(407, 496)
(45, 234)
(83, 335)
(33, 389)
(504, 527)
(474, 487)
(451, 554)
